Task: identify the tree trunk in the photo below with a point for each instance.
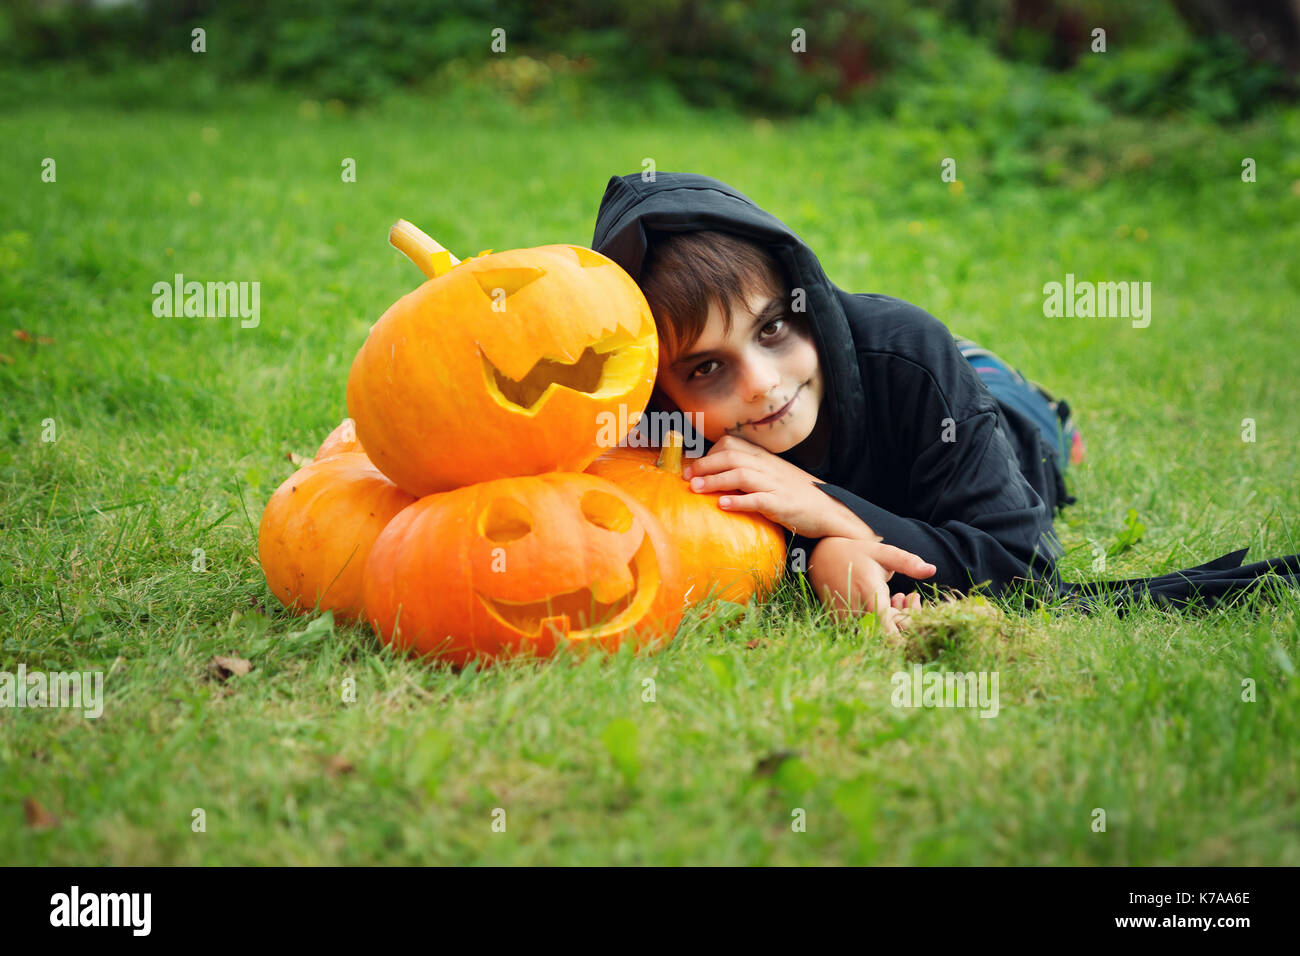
(1268, 30)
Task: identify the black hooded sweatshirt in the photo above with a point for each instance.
(919, 448)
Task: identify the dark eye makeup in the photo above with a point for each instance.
(770, 333)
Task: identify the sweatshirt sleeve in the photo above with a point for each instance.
(974, 515)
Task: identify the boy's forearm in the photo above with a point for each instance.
(965, 555)
(839, 521)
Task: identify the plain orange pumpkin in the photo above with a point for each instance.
(726, 555)
(523, 565)
(341, 440)
(318, 528)
(513, 363)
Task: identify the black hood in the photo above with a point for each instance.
(688, 202)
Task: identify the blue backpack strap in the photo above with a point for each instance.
(1013, 390)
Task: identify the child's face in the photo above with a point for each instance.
(762, 382)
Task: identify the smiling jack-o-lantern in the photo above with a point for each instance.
(521, 565)
(507, 364)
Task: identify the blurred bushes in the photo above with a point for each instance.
(950, 80)
(728, 55)
(1057, 34)
(954, 62)
(1212, 78)
(353, 50)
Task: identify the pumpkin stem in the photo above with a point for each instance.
(670, 456)
(432, 258)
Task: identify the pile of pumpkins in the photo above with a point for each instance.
(465, 508)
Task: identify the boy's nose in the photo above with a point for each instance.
(760, 379)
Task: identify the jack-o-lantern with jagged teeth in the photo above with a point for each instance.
(524, 565)
(512, 363)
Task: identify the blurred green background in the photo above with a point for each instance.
(944, 58)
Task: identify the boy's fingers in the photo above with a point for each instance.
(879, 599)
(714, 462)
(915, 602)
(764, 502)
(868, 592)
(878, 603)
(731, 442)
(736, 479)
(905, 562)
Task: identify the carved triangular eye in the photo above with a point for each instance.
(509, 279)
(505, 520)
(587, 258)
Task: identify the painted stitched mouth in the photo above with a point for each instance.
(780, 411)
(593, 618)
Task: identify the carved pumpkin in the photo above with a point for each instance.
(521, 565)
(730, 555)
(318, 528)
(341, 440)
(507, 364)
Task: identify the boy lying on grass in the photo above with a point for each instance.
(855, 421)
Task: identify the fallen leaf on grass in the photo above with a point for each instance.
(770, 764)
(22, 335)
(38, 818)
(297, 459)
(6, 359)
(756, 642)
(338, 765)
(226, 667)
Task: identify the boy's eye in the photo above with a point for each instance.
(704, 369)
(774, 329)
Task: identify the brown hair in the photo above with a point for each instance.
(684, 271)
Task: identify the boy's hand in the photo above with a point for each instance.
(785, 493)
(772, 486)
(849, 582)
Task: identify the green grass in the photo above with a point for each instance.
(172, 434)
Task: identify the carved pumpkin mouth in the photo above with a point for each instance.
(604, 369)
(594, 619)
